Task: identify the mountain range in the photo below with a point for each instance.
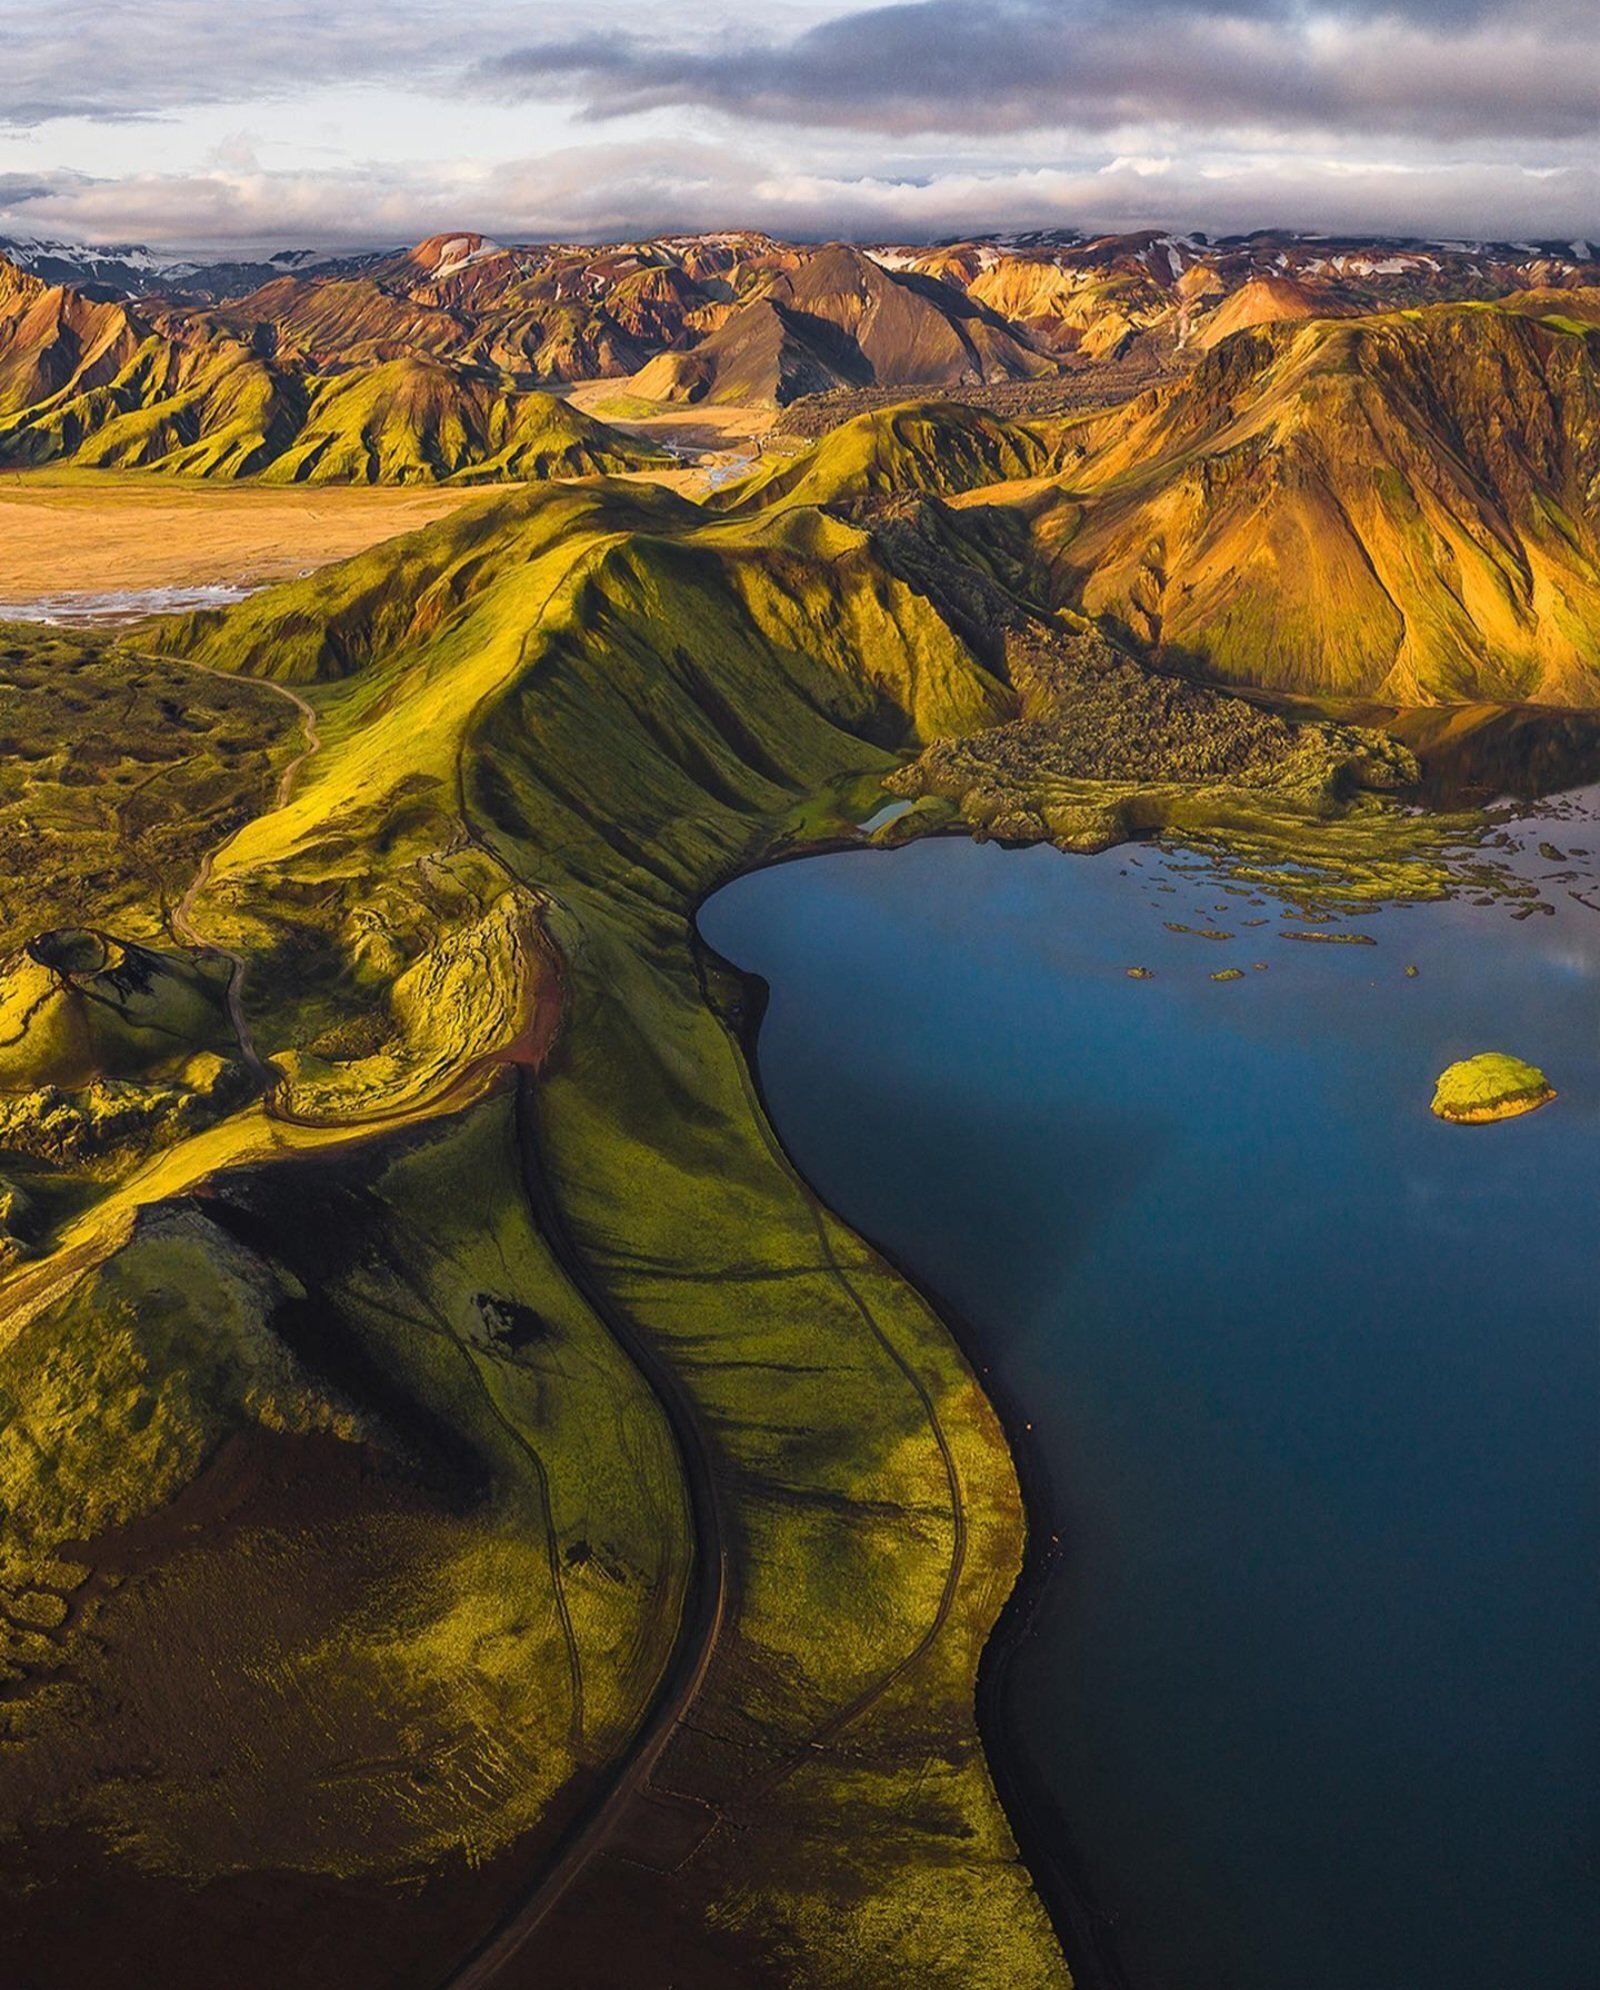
(112, 385)
(985, 309)
(1353, 472)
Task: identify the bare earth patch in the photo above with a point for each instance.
(114, 531)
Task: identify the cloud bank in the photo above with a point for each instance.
(1024, 65)
(381, 123)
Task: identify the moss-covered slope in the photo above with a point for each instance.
(924, 446)
(591, 703)
(225, 413)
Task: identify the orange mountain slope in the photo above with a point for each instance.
(1401, 507)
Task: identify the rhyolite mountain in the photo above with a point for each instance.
(125, 386)
(566, 312)
(1399, 507)
(984, 309)
(1402, 507)
(54, 340)
(841, 320)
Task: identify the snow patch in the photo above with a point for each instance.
(461, 252)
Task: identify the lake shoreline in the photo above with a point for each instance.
(831, 1046)
(1085, 1931)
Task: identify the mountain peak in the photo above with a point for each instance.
(443, 255)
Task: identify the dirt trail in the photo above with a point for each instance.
(706, 1616)
(705, 1613)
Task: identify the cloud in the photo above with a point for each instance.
(18, 189)
(111, 64)
(612, 192)
(927, 117)
(1449, 67)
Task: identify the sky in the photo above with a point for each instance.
(247, 126)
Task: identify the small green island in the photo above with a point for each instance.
(1490, 1086)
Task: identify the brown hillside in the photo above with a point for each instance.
(840, 320)
(1264, 300)
(53, 339)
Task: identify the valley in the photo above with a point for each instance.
(92, 534)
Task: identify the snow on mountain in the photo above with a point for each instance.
(130, 269)
(126, 266)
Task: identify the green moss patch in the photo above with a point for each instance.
(1490, 1086)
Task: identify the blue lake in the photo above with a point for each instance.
(1314, 1377)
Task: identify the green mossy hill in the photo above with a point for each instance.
(604, 701)
(109, 1050)
(1399, 507)
(924, 446)
(77, 1005)
(341, 619)
(1490, 1086)
(212, 412)
(194, 402)
(414, 420)
(468, 996)
(95, 1131)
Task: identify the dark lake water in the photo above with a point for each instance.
(1316, 1376)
